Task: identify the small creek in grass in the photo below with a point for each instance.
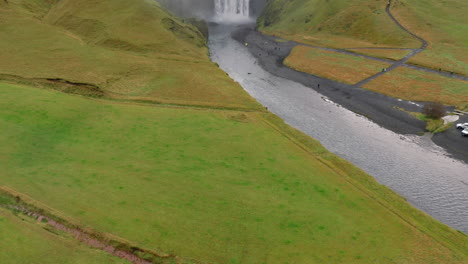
(412, 166)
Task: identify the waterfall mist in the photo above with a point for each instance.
(203, 9)
(232, 10)
(216, 10)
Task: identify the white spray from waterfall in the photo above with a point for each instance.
(232, 10)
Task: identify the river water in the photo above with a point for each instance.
(412, 166)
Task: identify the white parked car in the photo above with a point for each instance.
(465, 132)
(462, 125)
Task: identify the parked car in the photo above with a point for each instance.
(465, 132)
(462, 125)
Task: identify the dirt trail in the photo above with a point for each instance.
(423, 41)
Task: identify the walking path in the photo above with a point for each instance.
(394, 64)
(403, 61)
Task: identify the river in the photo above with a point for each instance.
(413, 166)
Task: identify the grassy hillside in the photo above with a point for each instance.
(444, 25)
(118, 48)
(333, 65)
(25, 241)
(189, 182)
(336, 23)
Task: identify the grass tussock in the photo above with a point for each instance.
(437, 125)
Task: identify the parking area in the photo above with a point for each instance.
(453, 141)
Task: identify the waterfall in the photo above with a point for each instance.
(232, 10)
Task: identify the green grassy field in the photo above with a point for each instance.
(27, 242)
(410, 84)
(128, 49)
(333, 65)
(216, 186)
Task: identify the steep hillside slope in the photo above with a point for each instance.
(344, 24)
(120, 49)
(444, 25)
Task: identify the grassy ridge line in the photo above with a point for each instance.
(186, 104)
(91, 92)
(385, 196)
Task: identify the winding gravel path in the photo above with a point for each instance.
(423, 41)
(403, 61)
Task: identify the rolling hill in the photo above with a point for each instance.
(113, 119)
